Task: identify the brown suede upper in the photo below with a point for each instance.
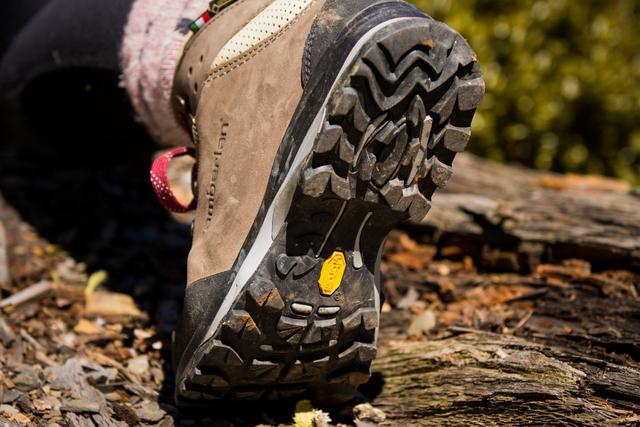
(203, 47)
(242, 115)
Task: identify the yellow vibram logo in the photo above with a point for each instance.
(331, 274)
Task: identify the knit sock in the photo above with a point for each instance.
(154, 37)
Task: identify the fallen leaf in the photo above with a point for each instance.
(307, 416)
(96, 279)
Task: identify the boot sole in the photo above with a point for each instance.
(306, 320)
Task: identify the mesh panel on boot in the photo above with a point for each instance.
(267, 23)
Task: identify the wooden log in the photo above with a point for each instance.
(488, 379)
(492, 209)
(569, 351)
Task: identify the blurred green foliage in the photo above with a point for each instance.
(563, 81)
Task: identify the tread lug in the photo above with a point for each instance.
(290, 329)
(440, 173)
(455, 138)
(265, 295)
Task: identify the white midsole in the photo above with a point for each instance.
(284, 197)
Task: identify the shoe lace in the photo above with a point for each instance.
(160, 181)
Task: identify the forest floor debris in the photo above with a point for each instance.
(86, 327)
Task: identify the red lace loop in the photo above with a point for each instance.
(160, 181)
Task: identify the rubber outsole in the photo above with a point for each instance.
(307, 320)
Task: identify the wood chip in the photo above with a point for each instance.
(80, 406)
(139, 365)
(75, 420)
(109, 304)
(150, 412)
(8, 410)
(87, 327)
(33, 292)
(36, 345)
(126, 413)
(41, 405)
(27, 380)
(6, 333)
(103, 360)
(366, 412)
(21, 419)
(4, 258)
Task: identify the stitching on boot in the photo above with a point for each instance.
(247, 56)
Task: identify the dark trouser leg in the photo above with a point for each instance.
(16, 14)
(61, 73)
(62, 34)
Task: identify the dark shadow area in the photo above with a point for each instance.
(374, 387)
(19, 12)
(75, 166)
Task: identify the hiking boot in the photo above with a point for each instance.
(318, 126)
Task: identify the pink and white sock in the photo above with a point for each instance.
(154, 37)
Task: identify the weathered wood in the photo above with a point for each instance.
(569, 351)
(4, 257)
(38, 290)
(490, 209)
(489, 379)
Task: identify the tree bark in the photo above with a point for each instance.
(490, 379)
(554, 272)
(494, 210)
